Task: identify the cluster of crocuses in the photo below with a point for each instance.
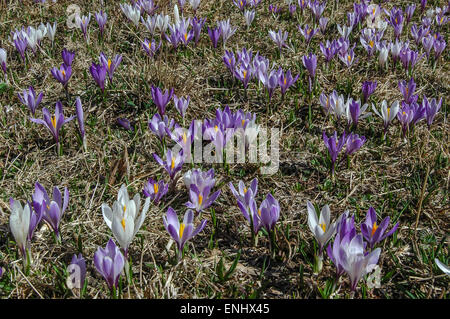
(63, 74)
(25, 219)
(246, 67)
(31, 38)
(351, 253)
(106, 66)
(265, 216)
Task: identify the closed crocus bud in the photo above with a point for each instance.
(19, 223)
(321, 228)
(80, 119)
(3, 60)
(110, 262)
(77, 272)
(383, 57)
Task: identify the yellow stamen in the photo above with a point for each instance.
(185, 37)
(155, 188)
(123, 223)
(323, 226)
(349, 58)
(371, 43)
(109, 63)
(181, 230)
(216, 128)
(173, 163)
(442, 19)
(374, 228)
(373, 11)
(243, 122)
(184, 138)
(259, 212)
(53, 119)
(284, 81)
(200, 199)
(245, 74)
(245, 190)
(124, 208)
(389, 111)
(63, 73)
(404, 113)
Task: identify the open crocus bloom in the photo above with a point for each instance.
(199, 178)
(155, 190)
(173, 162)
(388, 114)
(240, 195)
(124, 219)
(181, 232)
(374, 233)
(201, 198)
(109, 263)
(321, 228)
(354, 262)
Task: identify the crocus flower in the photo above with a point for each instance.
(285, 81)
(19, 223)
(409, 12)
(388, 114)
(344, 31)
(428, 43)
(29, 99)
(101, 18)
(374, 233)
(98, 72)
(355, 111)
(181, 232)
(181, 104)
(348, 58)
(321, 227)
(443, 267)
(132, 13)
(226, 30)
(310, 63)
(77, 272)
(3, 60)
(125, 218)
(52, 209)
(201, 199)
(110, 65)
(199, 178)
(383, 56)
(172, 164)
(150, 7)
(80, 119)
(162, 23)
(431, 109)
(83, 23)
(355, 262)
(250, 211)
(328, 50)
(438, 46)
(21, 45)
(125, 123)
(155, 190)
(334, 146)
(249, 16)
(63, 74)
(67, 57)
(396, 21)
(51, 29)
(214, 35)
(367, 89)
(161, 99)
(405, 116)
(159, 125)
(323, 24)
(407, 90)
(197, 26)
(240, 194)
(53, 122)
(279, 38)
(110, 262)
(354, 142)
(150, 47)
(194, 4)
(307, 32)
(269, 213)
(409, 58)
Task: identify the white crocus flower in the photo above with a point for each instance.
(162, 22)
(176, 15)
(19, 222)
(194, 4)
(344, 31)
(383, 57)
(249, 16)
(123, 219)
(132, 13)
(321, 227)
(443, 267)
(388, 114)
(32, 36)
(51, 31)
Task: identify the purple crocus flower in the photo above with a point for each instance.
(110, 263)
(269, 213)
(53, 122)
(159, 125)
(323, 24)
(83, 23)
(67, 57)
(241, 193)
(98, 72)
(201, 199)
(374, 233)
(21, 45)
(214, 35)
(367, 89)
(197, 26)
(110, 65)
(355, 262)
(250, 211)
(355, 111)
(407, 90)
(29, 99)
(405, 116)
(428, 43)
(409, 58)
(3, 60)
(418, 33)
(438, 46)
(285, 81)
(241, 4)
(173, 162)
(269, 80)
(77, 272)
(423, 3)
(80, 119)
(199, 178)
(244, 74)
(226, 30)
(409, 12)
(274, 9)
(52, 210)
(349, 57)
(101, 18)
(396, 21)
(229, 60)
(431, 109)
(181, 104)
(279, 38)
(150, 47)
(63, 74)
(161, 99)
(181, 232)
(317, 9)
(307, 32)
(354, 142)
(329, 50)
(310, 63)
(125, 123)
(334, 146)
(155, 190)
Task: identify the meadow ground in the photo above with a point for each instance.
(404, 178)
